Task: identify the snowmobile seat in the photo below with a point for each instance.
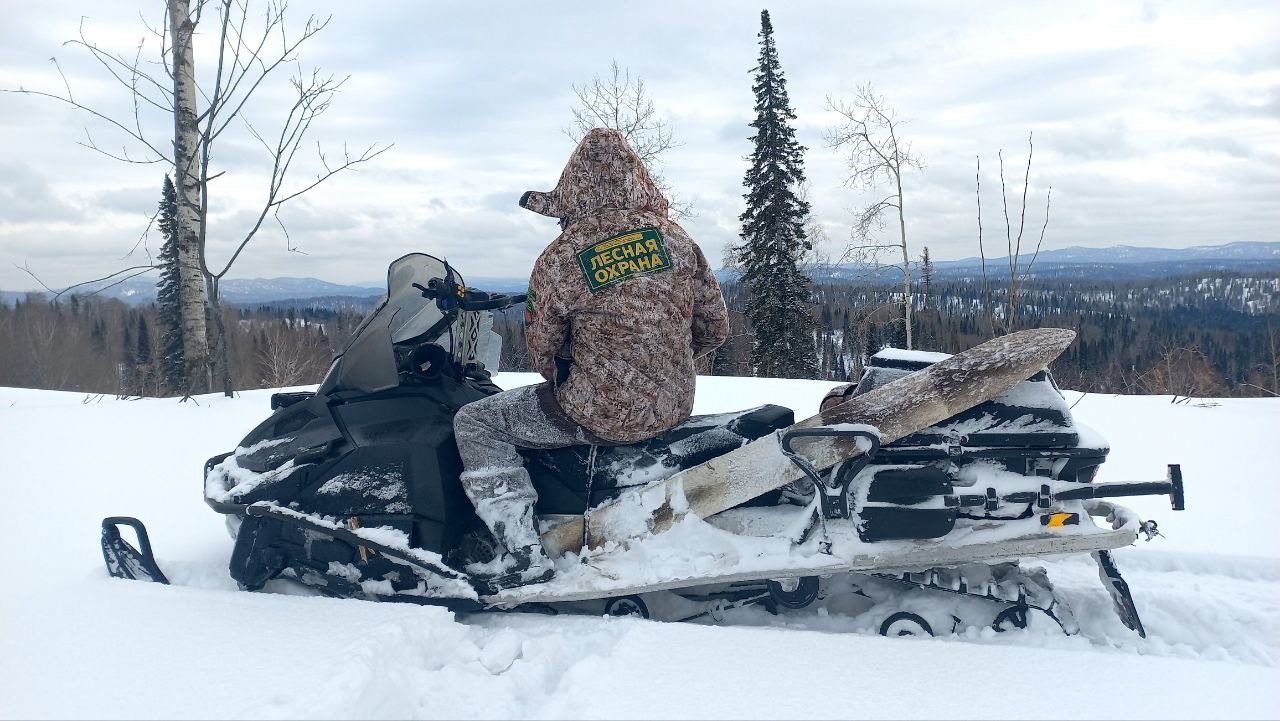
(566, 479)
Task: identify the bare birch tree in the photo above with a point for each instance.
(1019, 274)
(622, 102)
(291, 355)
(189, 221)
(251, 48)
(869, 132)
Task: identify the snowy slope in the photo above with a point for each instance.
(75, 643)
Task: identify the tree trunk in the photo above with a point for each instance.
(195, 342)
(906, 262)
(218, 335)
(1275, 360)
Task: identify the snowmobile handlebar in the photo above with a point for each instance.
(449, 295)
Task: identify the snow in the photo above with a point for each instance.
(915, 356)
(77, 644)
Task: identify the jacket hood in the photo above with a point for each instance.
(603, 172)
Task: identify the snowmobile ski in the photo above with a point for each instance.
(448, 582)
(122, 558)
(1116, 586)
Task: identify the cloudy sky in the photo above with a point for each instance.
(1156, 123)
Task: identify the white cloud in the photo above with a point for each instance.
(1155, 123)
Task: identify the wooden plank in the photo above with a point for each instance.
(898, 409)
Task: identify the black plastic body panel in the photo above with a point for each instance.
(391, 455)
(565, 477)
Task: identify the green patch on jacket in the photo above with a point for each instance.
(528, 306)
(627, 255)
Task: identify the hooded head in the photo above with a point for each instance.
(603, 172)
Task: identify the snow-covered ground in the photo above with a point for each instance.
(75, 643)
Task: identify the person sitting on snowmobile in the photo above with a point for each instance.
(620, 305)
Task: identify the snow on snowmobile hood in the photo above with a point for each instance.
(603, 172)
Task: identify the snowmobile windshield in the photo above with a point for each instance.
(368, 362)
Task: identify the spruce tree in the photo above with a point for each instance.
(895, 331)
(97, 337)
(873, 343)
(168, 300)
(142, 356)
(128, 351)
(773, 235)
(926, 276)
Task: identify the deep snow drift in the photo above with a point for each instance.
(75, 643)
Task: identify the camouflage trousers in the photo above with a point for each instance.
(489, 432)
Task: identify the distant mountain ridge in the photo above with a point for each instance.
(1120, 262)
(235, 291)
(1114, 263)
(1245, 250)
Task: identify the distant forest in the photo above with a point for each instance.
(1193, 336)
(98, 345)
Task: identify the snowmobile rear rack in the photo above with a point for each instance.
(125, 561)
(1085, 491)
(1171, 487)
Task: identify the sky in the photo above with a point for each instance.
(1155, 123)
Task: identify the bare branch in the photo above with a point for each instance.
(982, 253)
(1017, 280)
(122, 157)
(164, 45)
(869, 133)
(622, 102)
(142, 237)
(1264, 390)
(115, 64)
(91, 111)
(65, 83)
(312, 27)
(349, 162)
(1022, 220)
(135, 271)
(368, 154)
(1048, 196)
(288, 241)
(1008, 236)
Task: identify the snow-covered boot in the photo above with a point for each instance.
(522, 566)
(509, 515)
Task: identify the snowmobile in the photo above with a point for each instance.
(353, 489)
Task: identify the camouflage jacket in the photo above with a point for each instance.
(623, 294)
